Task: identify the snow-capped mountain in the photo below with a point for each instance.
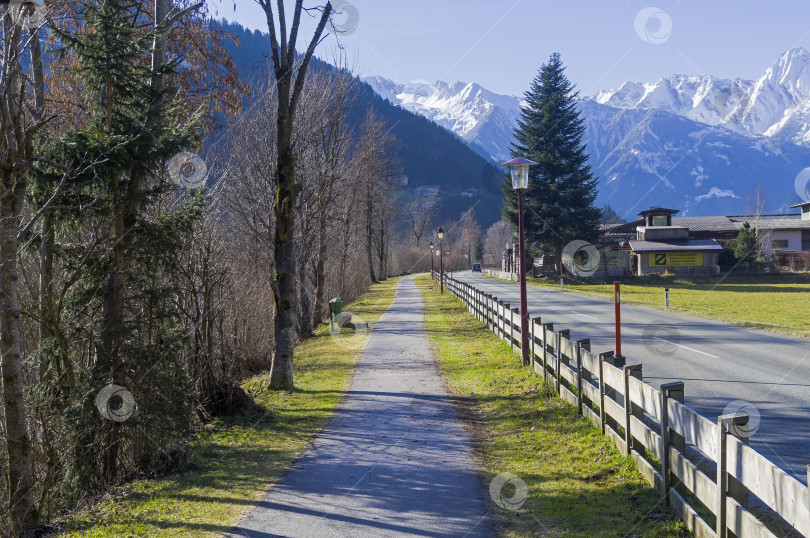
(777, 105)
(482, 118)
(698, 143)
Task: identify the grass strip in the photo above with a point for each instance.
(235, 460)
(771, 302)
(578, 484)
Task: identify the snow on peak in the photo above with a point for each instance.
(469, 110)
(777, 104)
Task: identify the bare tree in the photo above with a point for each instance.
(419, 213)
(470, 234)
(289, 83)
(376, 167)
(495, 241)
(17, 132)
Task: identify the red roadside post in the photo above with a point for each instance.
(618, 301)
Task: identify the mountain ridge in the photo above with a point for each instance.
(706, 141)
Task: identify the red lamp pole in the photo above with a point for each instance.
(524, 311)
(519, 169)
(440, 234)
(441, 265)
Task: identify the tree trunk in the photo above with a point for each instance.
(284, 288)
(15, 147)
(23, 510)
(382, 251)
(369, 223)
(320, 274)
(285, 294)
(109, 357)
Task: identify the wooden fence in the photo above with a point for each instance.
(696, 465)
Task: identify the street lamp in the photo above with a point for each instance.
(519, 169)
(440, 235)
(431, 257)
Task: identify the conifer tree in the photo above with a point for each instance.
(559, 203)
(126, 275)
(746, 246)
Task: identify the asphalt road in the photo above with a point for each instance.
(725, 368)
(395, 459)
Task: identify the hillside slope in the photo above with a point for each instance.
(428, 153)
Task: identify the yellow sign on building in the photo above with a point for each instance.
(676, 259)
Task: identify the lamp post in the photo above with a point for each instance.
(431, 257)
(440, 235)
(519, 169)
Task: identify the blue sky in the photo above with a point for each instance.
(502, 43)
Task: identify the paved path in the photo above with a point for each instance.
(394, 460)
(725, 368)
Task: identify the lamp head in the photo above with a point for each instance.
(519, 169)
(440, 233)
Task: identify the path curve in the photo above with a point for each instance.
(393, 461)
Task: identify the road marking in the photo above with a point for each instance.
(584, 315)
(687, 347)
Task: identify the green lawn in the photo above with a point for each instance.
(777, 303)
(237, 459)
(578, 483)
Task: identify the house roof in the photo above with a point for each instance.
(734, 223)
(690, 245)
(658, 209)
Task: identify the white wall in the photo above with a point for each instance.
(794, 239)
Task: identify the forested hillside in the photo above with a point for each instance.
(427, 153)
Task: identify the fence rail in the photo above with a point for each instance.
(656, 428)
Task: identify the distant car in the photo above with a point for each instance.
(476, 267)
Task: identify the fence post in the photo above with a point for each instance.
(582, 345)
(507, 319)
(565, 333)
(534, 322)
(739, 429)
(669, 437)
(487, 297)
(602, 415)
(723, 422)
(546, 327)
(499, 317)
(632, 370)
(515, 314)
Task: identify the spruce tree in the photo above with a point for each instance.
(123, 282)
(746, 246)
(559, 203)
